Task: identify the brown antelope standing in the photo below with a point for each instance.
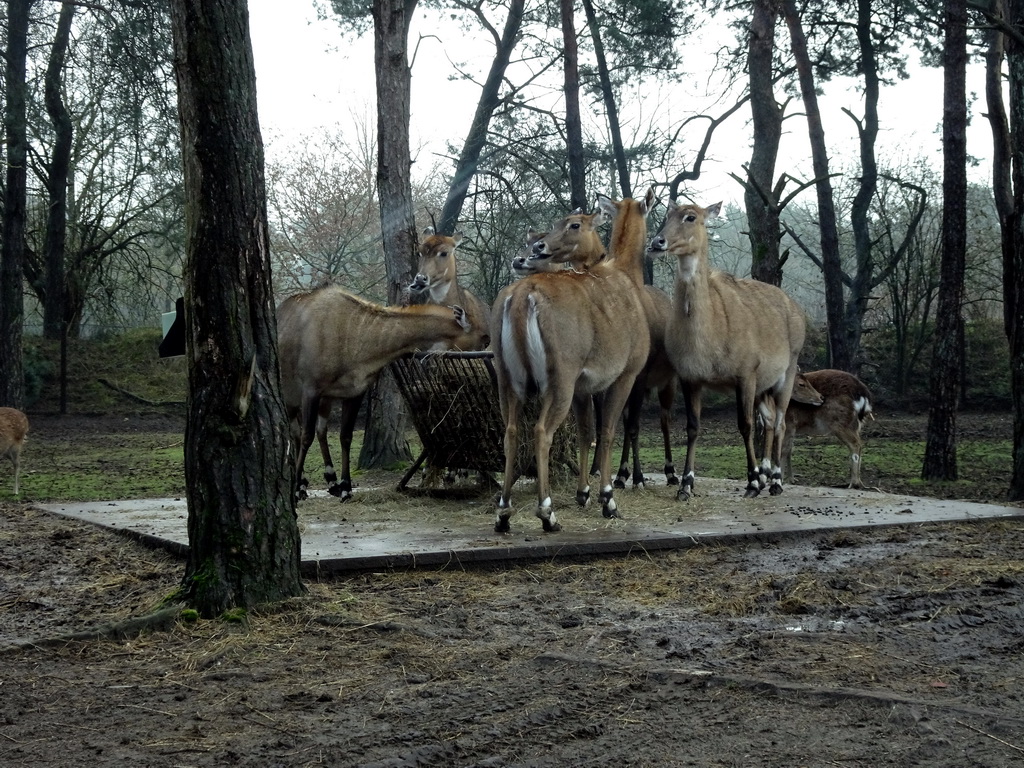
(844, 403)
(626, 252)
(13, 428)
(739, 335)
(332, 345)
(437, 282)
(563, 337)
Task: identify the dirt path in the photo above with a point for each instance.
(897, 647)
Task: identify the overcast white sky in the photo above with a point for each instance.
(309, 78)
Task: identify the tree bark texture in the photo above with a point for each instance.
(1013, 277)
(947, 356)
(55, 307)
(490, 98)
(12, 249)
(243, 532)
(384, 442)
(759, 197)
(832, 268)
(573, 120)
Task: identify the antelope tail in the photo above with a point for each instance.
(525, 358)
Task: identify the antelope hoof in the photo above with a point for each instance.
(619, 484)
(610, 511)
(670, 475)
(641, 483)
(342, 490)
(751, 492)
(583, 497)
(550, 527)
(775, 489)
(501, 525)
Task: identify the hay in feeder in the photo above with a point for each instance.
(453, 403)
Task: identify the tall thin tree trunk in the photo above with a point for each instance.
(573, 121)
(12, 248)
(832, 268)
(759, 197)
(55, 318)
(1013, 275)
(475, 142)
(384, 441)
(239, 472)
(940, 445)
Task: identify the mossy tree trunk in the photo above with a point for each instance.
(243, 533)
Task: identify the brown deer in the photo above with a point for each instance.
(332, 345)
(13, 428)
(563, 337)
(437, 282)
(843, 404)
(626, 252)
(726, 333)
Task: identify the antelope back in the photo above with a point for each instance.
(571, 330)
(436, 270)
(572, 239)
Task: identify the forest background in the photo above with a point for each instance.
(694, 98)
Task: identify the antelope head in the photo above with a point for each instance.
(574, 238)
(436, 270)
(525, 264)
(684, 234)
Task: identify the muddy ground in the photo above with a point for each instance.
(891, 647)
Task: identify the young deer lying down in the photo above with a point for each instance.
(842, 405)
(13, 428)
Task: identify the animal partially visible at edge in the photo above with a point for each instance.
(731, 334)
(437, 282)
(13, 429)
(332, 346)
(844, 404)
(562, 337)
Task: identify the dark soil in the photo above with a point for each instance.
(892, 647)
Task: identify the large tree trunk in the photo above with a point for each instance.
(832, 268)
(573, 121)
(759, 196)
(490, 98)
(384, 441)
(12, 248)
(55, 307)
(947, 357)
(242, 527)
(1013, 277)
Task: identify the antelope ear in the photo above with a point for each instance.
(713, 210)
(650, 200)
(578, 210)
(457, 237)
(606, 206)
(427, 231)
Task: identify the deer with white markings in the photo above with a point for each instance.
(843, 404)
(13, 429)
(732, 334)
(332, 346)
(626, 249)
(437, 282)
(562, 337)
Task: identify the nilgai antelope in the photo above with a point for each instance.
(844, 403)
(627, 247)
(332, 345)
(13, 428)
(727, 333)
(626, 252)
(562, 337)
(437, 282)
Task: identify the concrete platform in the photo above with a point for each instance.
(344, 539)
